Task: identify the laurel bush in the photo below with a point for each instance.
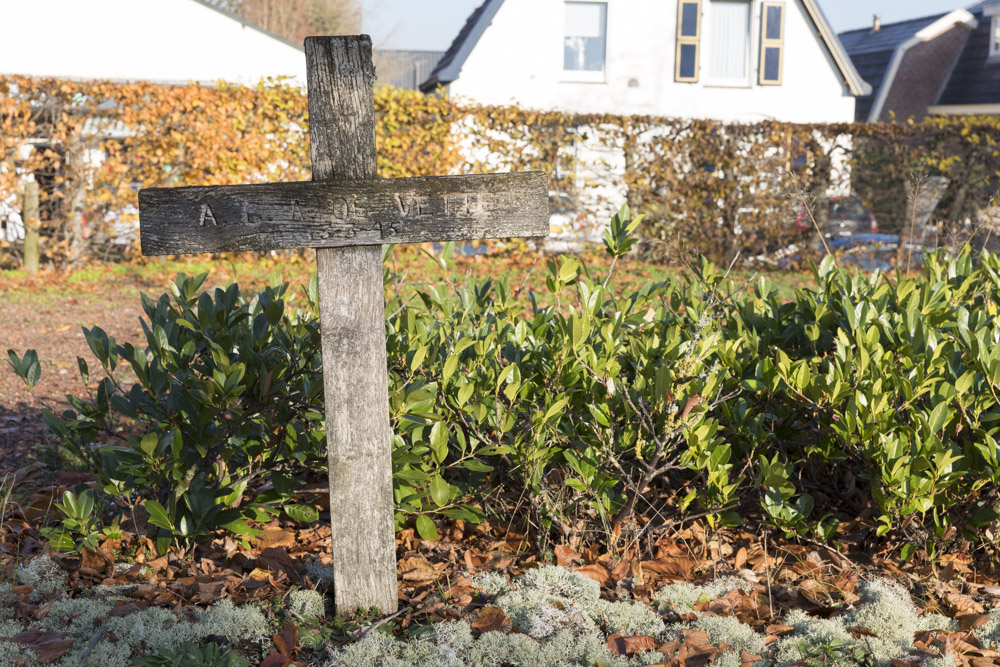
(576, 399)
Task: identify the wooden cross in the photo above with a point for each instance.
(347, 213)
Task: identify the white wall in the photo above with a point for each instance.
(519, 58)
(150, 40)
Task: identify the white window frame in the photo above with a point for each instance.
(587, 76)
(706, 56)
(688, 40)
(775, 43)
(995, 37)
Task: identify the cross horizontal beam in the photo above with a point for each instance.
(332, 214)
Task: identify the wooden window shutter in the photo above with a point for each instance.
(772, 43)
(688, 41)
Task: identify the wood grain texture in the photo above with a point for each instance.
(342, 213)
(29, 215)
(352, 322)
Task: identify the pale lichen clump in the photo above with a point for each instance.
(122, 638)
(628, 618)
(9, 651)
(682, 597)
(989, 632)
(944, 661)
(558, 617)
(490, 583)
(729, 630)
(886, 610)
(43, 573)
(452, 645)
(539, 614)
(307, 604)
(6, 604)
(319, 573)
(560, 582)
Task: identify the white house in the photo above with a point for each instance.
(731, 60)
(167, 41)
(163, 41)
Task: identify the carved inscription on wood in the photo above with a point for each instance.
(342, 213)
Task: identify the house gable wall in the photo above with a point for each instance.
(156, 40)
(519, 59)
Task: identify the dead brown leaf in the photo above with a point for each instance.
(275, 659)
(596, 572)
(418, 569)
(48, 646)
(861, 631)
(629, 646)
(674, 566)
(565, 556)
(972, 621)
(287, 642)
(276, 559)
(491, 619)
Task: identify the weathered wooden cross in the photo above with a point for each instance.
(347, 213)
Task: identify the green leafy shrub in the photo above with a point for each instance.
(891, 380)
(228, 391)
(577, 401)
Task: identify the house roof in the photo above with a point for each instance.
(975, 78)
(248, 24)
(872, 50)
(402, 68)
(450, 66)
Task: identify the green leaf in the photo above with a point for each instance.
(476, 466)
(148, 444)
(450, 366)
(555, 409)
(426, 528)
(439, 442)
(302, 513)
(158, 515)
(939, 416)
(440, 491)
(241, 527)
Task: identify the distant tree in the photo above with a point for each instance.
(297, 19)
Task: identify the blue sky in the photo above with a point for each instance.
(432, 24)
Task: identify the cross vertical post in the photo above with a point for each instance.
(352, 319)
(347, 213)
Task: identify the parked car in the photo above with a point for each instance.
(565, 216)
(848, 216)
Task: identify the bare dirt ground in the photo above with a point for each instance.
(42, 315)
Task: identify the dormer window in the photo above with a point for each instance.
(995, 37)
(992, 14)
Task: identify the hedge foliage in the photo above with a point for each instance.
(97, 143)
(586, 407)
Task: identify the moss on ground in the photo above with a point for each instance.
(558, 617)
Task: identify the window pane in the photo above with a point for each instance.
(585, 36)
(689, 19)
(730, 39)
(773, 30)
(689, 57)
(772, 63)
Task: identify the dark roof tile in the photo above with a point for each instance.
(976, 77)
(891, 35)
